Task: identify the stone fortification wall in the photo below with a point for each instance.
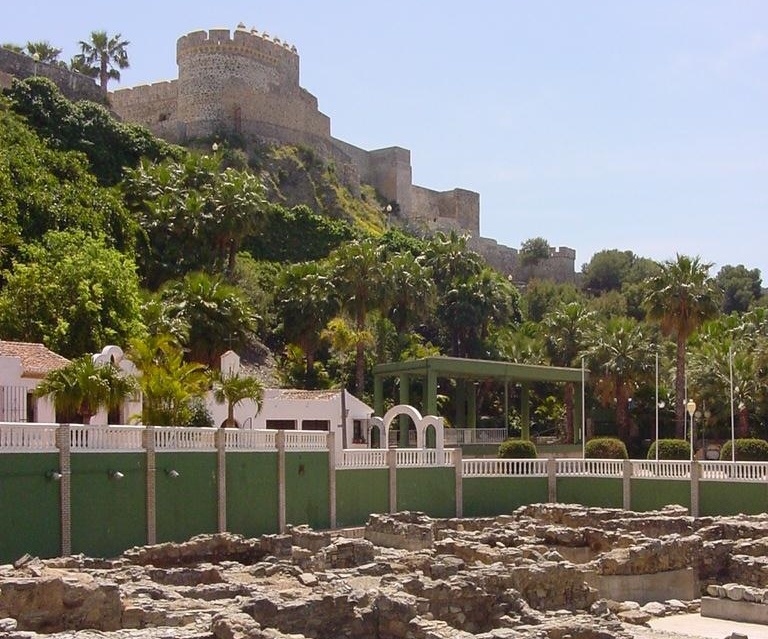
(235, 82)
(75, 86)
(150, 105)
(455, 210)
(559, 266)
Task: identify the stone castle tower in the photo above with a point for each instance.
(247, 83)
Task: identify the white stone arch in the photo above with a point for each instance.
(420, 422)
(378, 424)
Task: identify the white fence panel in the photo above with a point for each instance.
(734, 471)
(175, 438)
(373, 458)
(27, 438)
(590, 468)
(663, 469)
(464, 436)
(105, 438)
(504, 467)
(243, 439)
(413, 457)
(306, 440)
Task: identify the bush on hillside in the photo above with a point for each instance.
(517, 449)
(605, 448)
(678, 449)
(746, 450)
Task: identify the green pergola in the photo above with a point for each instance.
(466, 372)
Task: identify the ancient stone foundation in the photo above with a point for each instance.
(423, 578)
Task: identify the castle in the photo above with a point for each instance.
(246, 83)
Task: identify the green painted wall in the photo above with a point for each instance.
(722, 498)
(487, 496)
(360, 493)
(186, 505)
(108, 515)
(429, 490)
(252, 493)
(652, 494)
(307, 493)
(29, 506)
(590, 491)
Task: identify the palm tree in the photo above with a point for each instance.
(43, 51)
(362, 287)
(307, 302)
(83, 387)
(620, 350)
(564, 338)
(681, 297)
(168, 383)
(233, 388)
(217, 314)
(106, 54)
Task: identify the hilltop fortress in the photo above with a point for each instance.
(246, 83)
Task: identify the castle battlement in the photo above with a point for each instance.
(242, 41)
(162, 90)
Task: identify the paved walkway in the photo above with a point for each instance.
(694, 625)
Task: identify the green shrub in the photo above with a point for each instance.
(517, 449)
(670, 449)
(605, 448)
(746, 450)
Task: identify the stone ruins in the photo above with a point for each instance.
(544, 572)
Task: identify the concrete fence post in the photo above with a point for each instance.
(695, 476)
(331, 442)
(221, 476)
(626, 492)
(392, 464)
(281, 513)
(459, 465)
(552, 480)
(63, 443)
(149, 447)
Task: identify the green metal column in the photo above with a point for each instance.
(461, 404)
(405, 398)
(506, 405)
(430, 394)
(472, 407)
(525, 410)
(578, 426)
(378, 395)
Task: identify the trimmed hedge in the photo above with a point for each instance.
(746, 450)
(678, 449)
(517, 449)
(605, 448)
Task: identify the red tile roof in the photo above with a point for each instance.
(36, 359)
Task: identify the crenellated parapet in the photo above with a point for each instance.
(244, 43)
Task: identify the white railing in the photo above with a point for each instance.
(734, 471)
(412, 457)
(464, 436)
(176, 438)
(504, 467)
(261, 439)
(371, 458)
(590, 468)
(307, 440)
(663, 469)
(21, 437)
(105, 438)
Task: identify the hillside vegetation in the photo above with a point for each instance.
(179, 254)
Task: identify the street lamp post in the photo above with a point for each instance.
(691, 408)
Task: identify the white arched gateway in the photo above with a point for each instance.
(422, 424)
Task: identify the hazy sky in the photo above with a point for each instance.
(596, 124)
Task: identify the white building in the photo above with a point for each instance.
(22, 366)
(329, 410)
